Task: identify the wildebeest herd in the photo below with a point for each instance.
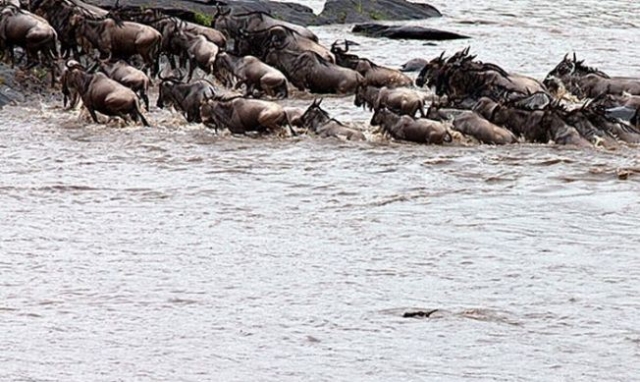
(250, 61)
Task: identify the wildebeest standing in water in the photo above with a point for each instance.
(185, 97)
(472, 124)
(31, 32)
(318, 120)
(102, 94)
(128, 76)
(402, 101)
(309, 71)
(253, 73)
(409, 129)
(240, 115)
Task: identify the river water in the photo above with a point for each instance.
(172, 254)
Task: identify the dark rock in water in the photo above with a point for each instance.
(358, 11)
(334, 12)
(404, 32)
(8, 92)
(414, 65)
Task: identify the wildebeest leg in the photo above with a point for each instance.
(136, 114)
(93, 115)
(192, 68)
(145, 99)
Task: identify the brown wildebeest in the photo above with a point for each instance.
(472, 124)
(318, 120)
(241, 115)
(232, 25)
(380, 76)
(184, 97)
(309, 71)
(31, 32)
(409, 129)
(102, 94)
(253, 73)
(121, 39)
(402, 101)
(130, 77)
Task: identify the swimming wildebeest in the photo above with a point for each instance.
(309, 71)
(401, 101)
(240, 115)
(538, 126)
(231, 25)
(318, 121)
(410, 129)
(31, 32)
(253, 73)
(128, 76)
(584, 81)
(184, 97)
(102, 94)
(118, 39)
(472, 124)
(379, 76)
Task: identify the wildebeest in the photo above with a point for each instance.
(241, 115)
(409, 129)
(31, 32)
(102, 94)
(118, 39)
(310, 71)
(461, 77)
(472, 124)
(318, 120)
(259, 42)
(201, 52)
(402, 101)
(253, 73)
(342, 55)
(379, 76)
(538, 126)
(584, 81)
(128, 76)
(184, 97)
(231, 25)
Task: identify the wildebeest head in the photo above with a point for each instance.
(314, 116)
(430, 70)
(165, 87)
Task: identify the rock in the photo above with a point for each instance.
(404, 32)
(414, 65)
(334, 12)
(358, 11)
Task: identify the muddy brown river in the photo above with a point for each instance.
(172, 254)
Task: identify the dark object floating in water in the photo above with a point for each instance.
(407, 32)
(419, 313)
(414, 65)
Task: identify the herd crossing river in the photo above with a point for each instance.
(172, 253)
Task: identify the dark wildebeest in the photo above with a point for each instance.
(343, 57)
(253, 73)
(472, 124)
(309, 71)
(409, 129)
(102, 94)
(538, 126)
(318, 120)
(241, 115)
(130, 77)
(401, 101)
(258, 43)
(186, 98)
(31, 32)
(120, 39)
(231, 25)
(584, 81)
